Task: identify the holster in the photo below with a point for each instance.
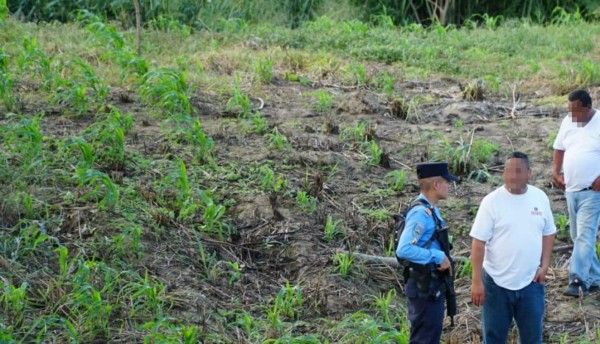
(422, 275)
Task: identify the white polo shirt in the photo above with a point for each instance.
(581, 164)
(512, 227)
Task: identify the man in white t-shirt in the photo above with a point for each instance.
(577, 153)
(513, 235)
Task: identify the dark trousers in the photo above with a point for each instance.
(425, 313)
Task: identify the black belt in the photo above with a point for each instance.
(586, 189)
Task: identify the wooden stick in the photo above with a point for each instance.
(393, 262)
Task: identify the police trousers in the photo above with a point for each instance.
(425, 311)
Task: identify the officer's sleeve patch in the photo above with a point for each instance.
(418, 232)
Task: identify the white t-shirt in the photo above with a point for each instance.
(512, 227)
(581, 164)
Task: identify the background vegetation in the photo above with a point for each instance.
(207, 14)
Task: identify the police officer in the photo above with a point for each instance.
(418, 245)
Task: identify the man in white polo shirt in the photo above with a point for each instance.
(577, 153)
(513, 235)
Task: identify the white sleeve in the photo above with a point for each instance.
(484, 221)
(558, 142)
(550, 227)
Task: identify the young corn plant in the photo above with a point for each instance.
(331, 229)
(383, 303)
(148, 298)
(31, 59)
(269, 182)
(23, 152)
(363, 132)
(277, 140)
(343, 263)
(264, 70)
(209, 262)
(100, 184)
(385, 83)
(307, 202)
(374, 153)
(289, 301)
(258, 123)
(235, 272)
(108, 136)
(464, 269)
(397, 179)
(357, 74)
(562, 221)
(239, 102)
(7, 95)
(128, 244)
(202, 143)
(324, 103)
(167, 88)
(212, 216)
(14, 301)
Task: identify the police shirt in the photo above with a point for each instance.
(420, 227)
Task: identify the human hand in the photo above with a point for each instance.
(477, 292)
(446, 266)
(596, 184)
(540, 275)
(559, 179)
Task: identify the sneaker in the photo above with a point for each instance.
(576, 288)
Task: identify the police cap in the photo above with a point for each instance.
(434, 169)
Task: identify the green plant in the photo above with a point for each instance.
(167, 88)
(464, 269)
(383, 303)
(561, 16)
(374, 153)
(306, 201)
(277, 140)
(364, 131)
(235, 272)
(269, 182)
(343, 263)
(100, 183)
(397, 179)
(289, 301)
(385, 83)
(356, 73)
(7, 94)
(331, 229)
(324, 104)
(212, 215)
(562, 221)
(464, 157)
(13, 300)
(264, 70)
(258, 123)
(239, 101)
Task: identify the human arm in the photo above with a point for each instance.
(418, 230)
(477, 289)
(557, 163)
(547, 245)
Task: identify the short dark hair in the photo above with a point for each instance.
(582, 96)
(520, 155)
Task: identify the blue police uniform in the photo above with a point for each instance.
(425, 310)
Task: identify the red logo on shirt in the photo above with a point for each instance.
(536, 212)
